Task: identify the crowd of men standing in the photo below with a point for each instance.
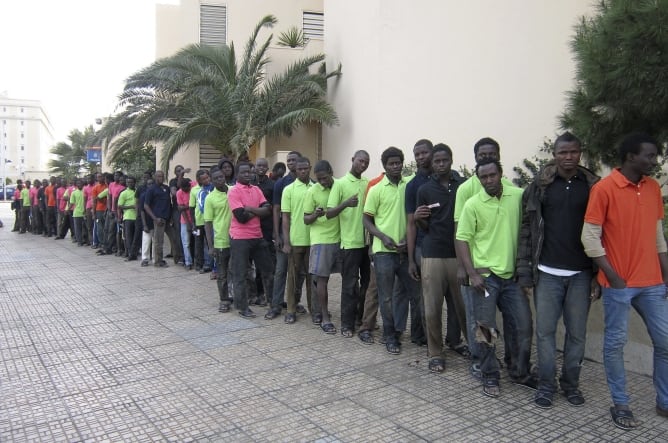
(404, 246)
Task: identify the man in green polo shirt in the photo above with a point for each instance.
(78, 206)
(127, 208)
(385, 219)
(217, 217)
(296, 236)
(486, 243)
(346, 203)
(325, 238)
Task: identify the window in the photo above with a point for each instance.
(21, 109)
(313, 25)
(21, 122)
(212, 24)
(22, 135)
(22, 160)
(23, 147)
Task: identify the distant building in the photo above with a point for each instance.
(26, 135)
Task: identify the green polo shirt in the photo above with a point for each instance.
(25, 197)
(128, 198)
(468, 189)
(77, 201)
(292, 202)
(491, 227)
(350, 219)
(199, 220)
(217, 211)
(386, 204)
(322, 231)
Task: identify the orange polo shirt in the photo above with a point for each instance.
(101, 204)
(50, 196)
(628, 213)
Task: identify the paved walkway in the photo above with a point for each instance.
(97, 349)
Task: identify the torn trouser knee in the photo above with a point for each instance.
(485, 334)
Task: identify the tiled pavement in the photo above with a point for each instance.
(97, 349)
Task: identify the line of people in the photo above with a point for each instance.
(407, 245)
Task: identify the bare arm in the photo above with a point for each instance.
(464, 255)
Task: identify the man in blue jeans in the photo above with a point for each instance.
(385, 219)
(551, 258)
(623, 233)
(486, 243)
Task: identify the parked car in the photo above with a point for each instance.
(10, 192)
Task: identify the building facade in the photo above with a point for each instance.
(26, 135)
(226, 21)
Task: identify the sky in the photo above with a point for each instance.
(74, 55)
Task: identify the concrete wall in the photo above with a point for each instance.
(454, 72)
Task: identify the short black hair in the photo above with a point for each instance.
(442, 147)
(391, 152)
(489, 161)
(277, 166)
(297, 153)
(631, 143)
(360, 152)
(486, 141)
(323, 166)
(240, 164)
(424, 142)
(566, 137)
(303, 159)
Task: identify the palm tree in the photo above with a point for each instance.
(71, 157)
(202, 95)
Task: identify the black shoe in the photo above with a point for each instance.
(205, 270)
(272, 314)
(161, 264)
(574, 397)
(224, 306)
(169, 256)
(301, 309)
(543, 399)
(317, 319)
(247, 313)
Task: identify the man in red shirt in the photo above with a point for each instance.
(50, 193)
(100, 207)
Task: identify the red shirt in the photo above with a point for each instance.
(50, 197)
(101, 202)
(239, 196)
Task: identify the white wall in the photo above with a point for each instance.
(449, 71)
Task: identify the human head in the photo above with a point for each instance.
(261, 166)
(218, 179)
(393, 162)
(441, 159)
(303, 169)
(226, 165)
(244, 174)
(422, 152)
(291, 160)
(159, 178)
(638, 151)
(91, 179)
(489, 172)
(486, 147)
(109, 177)
(178, 170)
(278, 170)
(323, 174)
(78, 183)
(203, 178)
(131, 182)
(45, 182)
(360, 163)
(117, 176)
(52, 179)
(567, 151)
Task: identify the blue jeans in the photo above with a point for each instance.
(468, 295)
(514, 306)
(652, 305)
(554, 296)
(393, 304)
(185, 241)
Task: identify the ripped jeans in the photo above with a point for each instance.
(514, 307)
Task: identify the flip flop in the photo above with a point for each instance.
(618, 417)
(328, 328)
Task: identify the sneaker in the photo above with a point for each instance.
(247, 313)
(528, 381)
(574, 397)
(543, 399)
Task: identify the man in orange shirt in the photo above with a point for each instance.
(50, 194)
(623, 234)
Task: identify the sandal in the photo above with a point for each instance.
(393, 348)
(437, 365)
(462, 350)
(490, 387)
(271, 314)
(328, 328)
(346, 332)
(623, 418)
(317, 319)
(290, 318)
(366, 337)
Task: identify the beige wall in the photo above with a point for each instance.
(178, 26)
(454, 72)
